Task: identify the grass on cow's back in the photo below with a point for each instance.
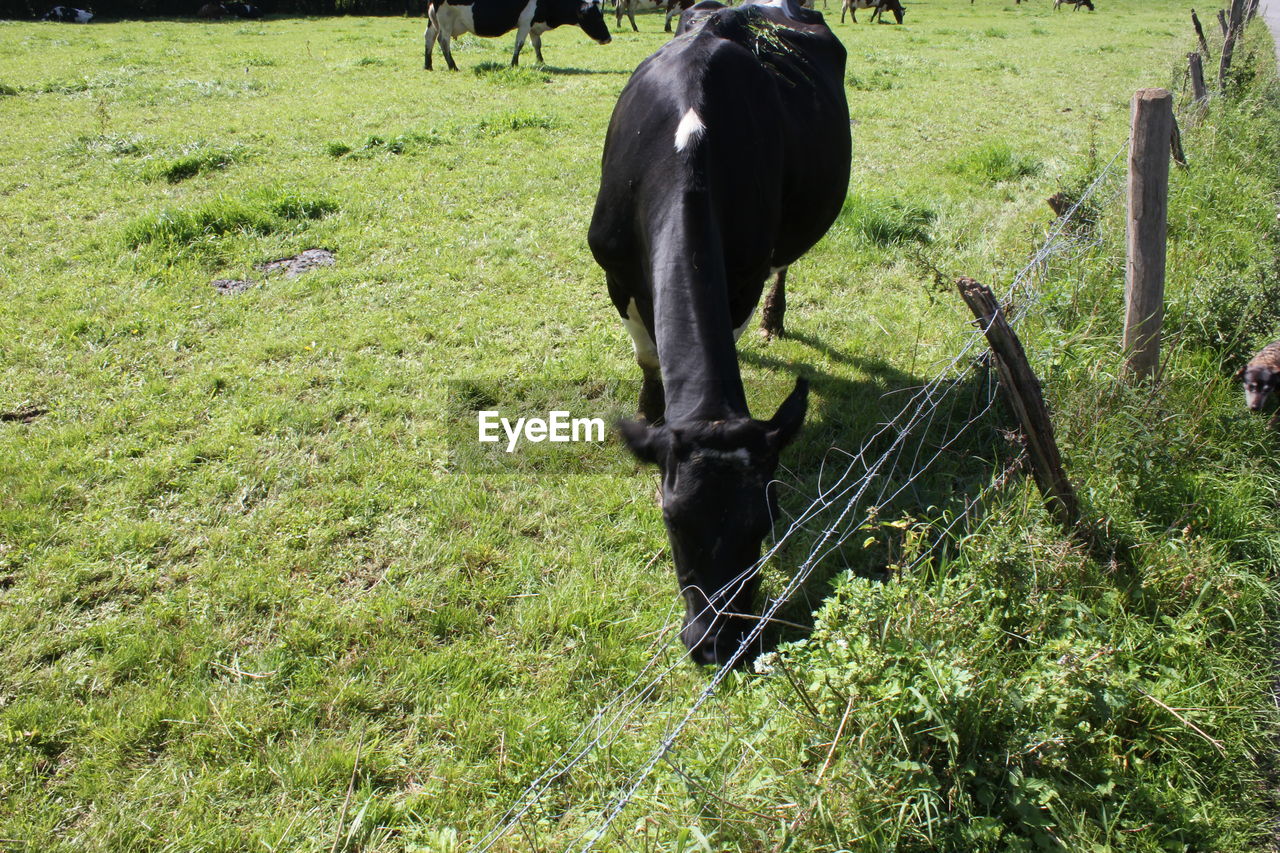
(234, 553)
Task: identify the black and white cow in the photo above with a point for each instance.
(877, 7)
(529, 18)
(1088, 4)
(243, 10)
(726, 159)
(628, 8)
(68, 15)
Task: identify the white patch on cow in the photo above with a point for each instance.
(646, 349)
(454, 21)
(737, 333)
(740, 456)
(690, 129)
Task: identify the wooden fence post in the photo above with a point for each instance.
(1204, 45)
(1022, 389)
(1196, 67)
(1229, 43)
(1152, 129)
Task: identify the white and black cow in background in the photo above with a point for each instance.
(1088, 4)
(628, 8)
(726, 159)
(877, 7)
(529, 18)
(68, 15)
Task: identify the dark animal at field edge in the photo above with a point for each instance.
(68, 15)
(726, 159)
(877, 8)
(1088, 4)
(223, 10)
(489, 18)
(1261, 377)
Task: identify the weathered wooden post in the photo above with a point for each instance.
(1222, 22)
(1152, 130)
(1253, 9)
(1229, 43)
(1204, 45)
(1196, 67)
(1022, 389)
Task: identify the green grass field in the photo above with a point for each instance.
(242, 569)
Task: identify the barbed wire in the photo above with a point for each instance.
(1069, 238)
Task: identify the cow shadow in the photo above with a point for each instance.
(569, 71)
(853, 436)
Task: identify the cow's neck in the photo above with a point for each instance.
(693, 329)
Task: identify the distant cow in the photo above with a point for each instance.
(243, 10)
(68, 15)
(726, 159)
(676, 7)
(529, 18)
(1088, 4)
(628, 8)
(212, 10)
(877, 7)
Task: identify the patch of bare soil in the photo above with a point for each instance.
(300, 263)
(23, 414)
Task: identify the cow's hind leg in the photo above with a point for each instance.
(448, 54)
(672, 8)
(775, 306)
(537, 47)
(430, 38)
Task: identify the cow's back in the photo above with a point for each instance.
(771, 155)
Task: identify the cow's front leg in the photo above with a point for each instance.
(775, 306)
(653, 398)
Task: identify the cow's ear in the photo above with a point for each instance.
(785, 425)
(648, 443)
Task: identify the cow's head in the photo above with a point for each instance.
(1259, 383)
(718, 505)
(591, 19)
(896, 8)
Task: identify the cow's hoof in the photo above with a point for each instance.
(770, 334)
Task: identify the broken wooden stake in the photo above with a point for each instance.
(1022, 389)
(1204, 45)
(1196, 68)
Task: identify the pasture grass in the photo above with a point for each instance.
(240, 574)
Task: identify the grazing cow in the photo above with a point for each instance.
(676, 7)
(726, 159)
(628, 8)
(489, 18)
(212, 10)
(68, 15)
(1088, 4)
(243, 10)
(877, 7)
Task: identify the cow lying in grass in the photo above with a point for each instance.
(447, 19)
(726, 159)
